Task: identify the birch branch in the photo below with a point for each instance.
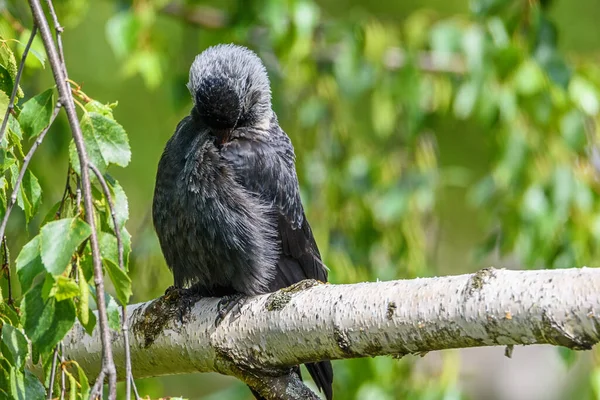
(308, 322)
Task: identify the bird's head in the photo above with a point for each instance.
(230, 88)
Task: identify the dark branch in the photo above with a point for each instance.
(59, 71)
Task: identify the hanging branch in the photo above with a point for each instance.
(13, 95)
(59, 71)
(26, 160)
(67, 192)
(125, 328)
(52, 374)
(63, 383)
(58, 29)
(6, 269)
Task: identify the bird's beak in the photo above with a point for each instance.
(223, 135)
(226, 135)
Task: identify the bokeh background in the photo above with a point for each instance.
(432, 138)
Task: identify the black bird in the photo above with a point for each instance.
(227, 206)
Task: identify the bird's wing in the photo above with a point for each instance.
(265, 167)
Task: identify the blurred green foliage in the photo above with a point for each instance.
(428, 141)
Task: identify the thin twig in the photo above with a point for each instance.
(113, 214)
(52, 374)
(63, 383)
(59, 71)
(135, 390)
(26, 160)
(78, 194)
(6, 268)
(58, 29)
(125, 328)
(96, 391)
(66, 192)
(13, 95)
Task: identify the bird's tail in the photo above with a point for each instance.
(322, 374)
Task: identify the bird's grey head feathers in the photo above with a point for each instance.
(230, 87)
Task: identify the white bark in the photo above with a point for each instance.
(311, 322)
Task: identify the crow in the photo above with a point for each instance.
(226, 207)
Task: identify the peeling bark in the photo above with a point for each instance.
(310, 322)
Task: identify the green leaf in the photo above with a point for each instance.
(112, 309)
(36, 113)
(46, 321)
(15, 129)
(29, 263)
(572, 128)
(86, 263)
(83, 381)
(32, 194)
(585, 95)
(103, 109)
(114, 313)
(14, 175)
(8, 61)
(306, 17)
(90, 324)
(8, 314)
(529, 78)
(147, 63)
(6, 85)
(120, 200)
(17, 384)
(119, 278)
(3, 185)
(110, 250)
(105, 141)
(122, 31)
(16, 345)
(465, 100)
(4, 100)
(93, 150)
(72, 386)
(6, 160)
(64, 288)
(111, 137)
(59, 240)
(33, 387)
(36, 50)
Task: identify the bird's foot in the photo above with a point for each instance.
(185, 299)
(229, 304)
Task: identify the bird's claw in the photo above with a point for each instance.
(229, 304)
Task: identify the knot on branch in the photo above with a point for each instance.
(150, 321)
(478, 280)
(279, 299)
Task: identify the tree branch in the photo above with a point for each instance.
(310, 322)
(125, 327)
(26, 161)
(13, 95)
(59, 71)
